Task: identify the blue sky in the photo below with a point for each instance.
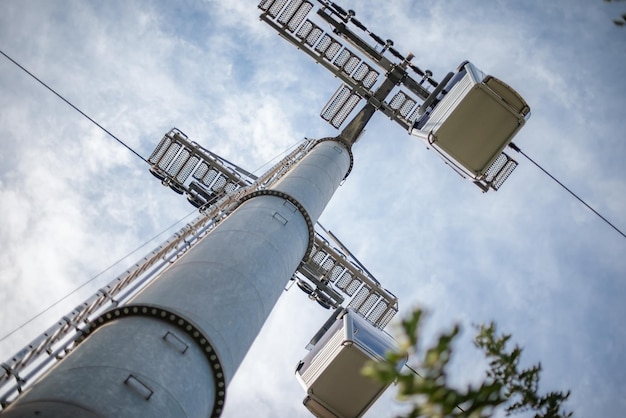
(528, 256)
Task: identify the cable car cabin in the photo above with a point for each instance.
(469, 119)
(331, 372)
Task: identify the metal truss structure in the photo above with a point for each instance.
(330, 274)
(439, 113)
(359, 65)
(365, 68)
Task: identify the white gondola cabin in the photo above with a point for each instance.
(331, 372)
(469, 121)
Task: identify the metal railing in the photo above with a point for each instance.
(331, 270)
(23, 368)
(337, 278)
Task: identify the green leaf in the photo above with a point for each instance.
(426, 388)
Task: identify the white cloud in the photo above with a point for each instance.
(528, 256)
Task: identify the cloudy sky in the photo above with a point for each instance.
(529, 256)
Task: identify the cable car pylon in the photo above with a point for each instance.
(166, 337)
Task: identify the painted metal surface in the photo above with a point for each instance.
(224, 288)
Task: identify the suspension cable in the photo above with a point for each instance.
(74, 107)
(96, 276)
(516, 148)
(121, 259)
(131, 150)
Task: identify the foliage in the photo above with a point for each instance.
(429, 394)
(622, 19)
(520, 386)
